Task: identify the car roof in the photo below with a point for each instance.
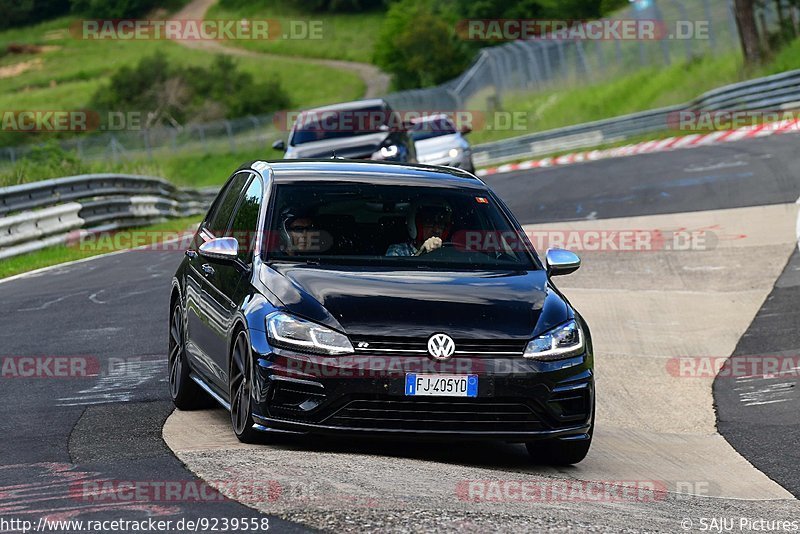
(431, 118)
(347, 170)
(356, 104)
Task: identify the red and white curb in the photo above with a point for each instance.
(647, 147)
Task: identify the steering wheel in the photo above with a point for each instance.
(444, 244)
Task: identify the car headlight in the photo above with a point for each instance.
(560, 342)
(386, 152)
(454, 153)
(284, 330)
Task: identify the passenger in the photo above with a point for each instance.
(428, 227)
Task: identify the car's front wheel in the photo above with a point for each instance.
(185, 393)
(241, 383)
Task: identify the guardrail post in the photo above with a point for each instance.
(548, 69)
(582, 67)
(146, 139)
(684, 16)
(114, 150)
(495, 77)
(711, 35)
(231, 140)
(561, 57)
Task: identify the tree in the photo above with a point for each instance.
(748, 31)
(419, 46)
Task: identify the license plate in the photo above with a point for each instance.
(441, 385)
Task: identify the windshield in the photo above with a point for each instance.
(432, 128)
(393, 225)
(314, 125)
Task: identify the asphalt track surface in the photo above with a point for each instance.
(65, 437)
(756, 172)
(113, 311)
(758, 414)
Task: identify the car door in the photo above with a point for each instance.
(204, 317)
(229, 283)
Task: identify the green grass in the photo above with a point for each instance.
(67, 76)
(342, 36)
(64, 253)
(185, 170)
(208, 169)
(643, 90)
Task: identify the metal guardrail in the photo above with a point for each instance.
(42, 214)
(776, 92)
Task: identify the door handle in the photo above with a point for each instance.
(191, 254)
(208, 269)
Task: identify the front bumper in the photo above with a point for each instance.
(518, 399)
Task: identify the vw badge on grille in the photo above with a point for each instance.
(441, 346)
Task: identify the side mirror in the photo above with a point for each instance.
(465, 129)
(560, 261)
(221, 248)
(279, 145)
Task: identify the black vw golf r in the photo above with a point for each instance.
(334, 296)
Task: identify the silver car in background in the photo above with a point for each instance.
(439, 142)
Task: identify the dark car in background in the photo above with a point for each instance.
(366, 129)
(343, 297)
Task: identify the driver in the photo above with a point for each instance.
(299, 234)
(429, 226)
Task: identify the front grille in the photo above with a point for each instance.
(437, 415)
(465, 347)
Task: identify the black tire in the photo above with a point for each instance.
(185, 393)
(240, 383)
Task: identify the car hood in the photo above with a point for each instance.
(355, 147)
(388, 302)
(437, 144)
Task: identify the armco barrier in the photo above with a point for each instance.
(776, 92)
(41, 214)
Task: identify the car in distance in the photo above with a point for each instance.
(438, 142)
(365, 129)
(372, 298)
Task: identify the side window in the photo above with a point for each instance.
(218, 222)
(245, 220)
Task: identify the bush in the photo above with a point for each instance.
(44, 161)
(121, 9)
(23, 12)
(178, 95)
(312, 6)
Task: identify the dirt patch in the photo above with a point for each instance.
(16, 69)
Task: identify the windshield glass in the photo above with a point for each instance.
(393, 225)
(432, 128)
(314, 125)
